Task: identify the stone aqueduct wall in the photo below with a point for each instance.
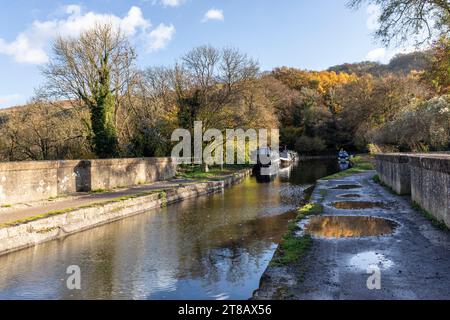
(22, 182)
(394, 171)
(426, 177)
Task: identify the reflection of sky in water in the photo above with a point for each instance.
(214, 247)
(363, 261)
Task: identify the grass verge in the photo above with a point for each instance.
(292, 247)
(162, 194)
(197, 172)
(359, 165)
(435, 222)
(376, 178)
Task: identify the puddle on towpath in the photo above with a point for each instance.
(347, 187)
(349, 227)
(350, 195)
(365, 260)
(357, 205)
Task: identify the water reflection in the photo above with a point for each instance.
(350, 195)
(347, 187)
(344, 165)
(364, 260)
(357, 205)
(349, 226)
(214, 247)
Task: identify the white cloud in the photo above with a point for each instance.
(8, 100)
(30, 46)
(167, 3)
(161, 36)
(384, 55)
(213, 14)
(378, 54)
(172, 3)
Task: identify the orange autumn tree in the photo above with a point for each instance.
(315, 112)
(322, 81)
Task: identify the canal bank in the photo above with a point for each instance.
(45, 221)
(360, 232)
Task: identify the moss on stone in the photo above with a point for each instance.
(434, 221)
(68, 210)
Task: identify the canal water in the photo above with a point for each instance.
(212, 247)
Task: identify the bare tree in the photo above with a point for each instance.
(43, 131)
(96, 69)
(215, 79)
(401, 19)
(236, 67)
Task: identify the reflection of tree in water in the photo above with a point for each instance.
(291, 194)
(224, 236)
(349, 226)
(230, 250)
(105, 259)
(310, 171)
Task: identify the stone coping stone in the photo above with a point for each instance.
(439, 164)
(43, 165)
(128, 161)
(393, 157)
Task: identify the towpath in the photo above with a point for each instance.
(20, 212)
(412, 262)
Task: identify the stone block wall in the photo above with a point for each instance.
(26, 181)
(425, 176)
(22, 182)
(430, 185)
(394, 171)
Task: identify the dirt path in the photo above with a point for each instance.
(413, 262)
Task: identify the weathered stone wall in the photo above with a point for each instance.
(73, 176)
(114, 173)
(394, 171)
(430, 185)
(425, 176)
(22, 182)
(26, 181)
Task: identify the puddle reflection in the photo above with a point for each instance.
(365, 260)
(350, 195)
(349, 226)
(347, 187)
(357, 205)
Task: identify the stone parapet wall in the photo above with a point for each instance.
(394, 171)
(22, 182)
(425, 176)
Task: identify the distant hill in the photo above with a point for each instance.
(5, 113)
(400, 64)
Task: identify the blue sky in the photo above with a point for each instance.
(308, 34)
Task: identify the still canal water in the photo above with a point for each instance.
(212, 247)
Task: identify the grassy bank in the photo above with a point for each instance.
(360, 164)
(162, 195)
(292, 247)
(198, 173)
